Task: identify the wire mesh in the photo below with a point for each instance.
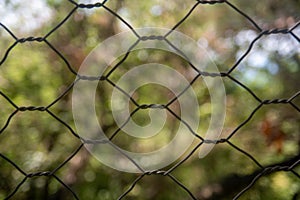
(288, 167)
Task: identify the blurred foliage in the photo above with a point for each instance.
(33, 75)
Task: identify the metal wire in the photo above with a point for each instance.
(264, 170)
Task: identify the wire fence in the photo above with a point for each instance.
(288, 166)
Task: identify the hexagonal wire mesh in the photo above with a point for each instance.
(288, 166)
